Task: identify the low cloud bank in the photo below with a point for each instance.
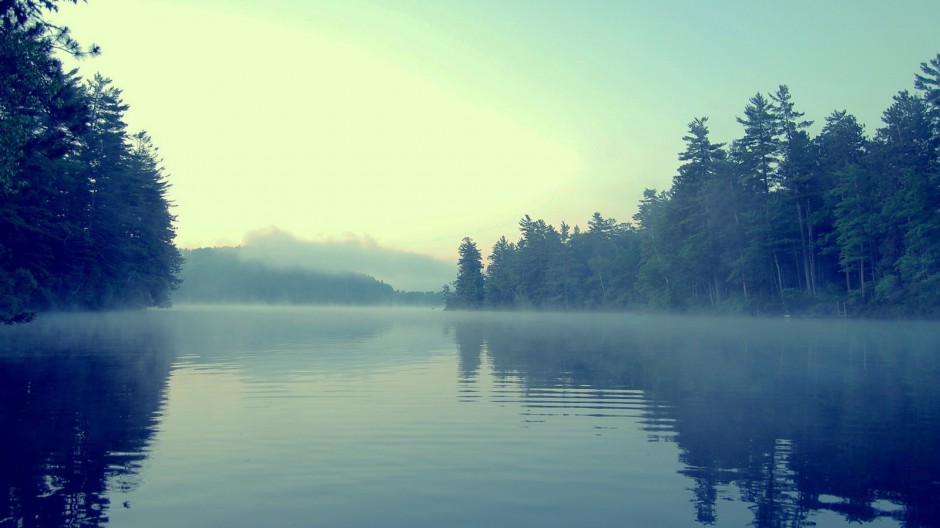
(401, 269)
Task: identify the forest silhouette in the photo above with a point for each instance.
(84, 219)
(776, 221)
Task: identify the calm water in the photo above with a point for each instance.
(413, 418)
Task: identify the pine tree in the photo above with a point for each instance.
(760, 146)
(42, 115)
(468, 288)
(697, 200)
(929, 82)
(800, 197)
(841, 151)
(501, 276)
(538, 248)
(84, 220)
(654, 278)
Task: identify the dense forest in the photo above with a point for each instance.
(776, 221)
(224, 275)
(84, 219)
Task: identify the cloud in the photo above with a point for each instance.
(401, 269)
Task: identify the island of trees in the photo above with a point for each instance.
(84, 220)
(776, 221)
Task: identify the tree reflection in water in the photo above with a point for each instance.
(790, 418)
(80, 397)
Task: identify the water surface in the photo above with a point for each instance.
(372, 417)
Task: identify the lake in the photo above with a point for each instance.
(232, 417)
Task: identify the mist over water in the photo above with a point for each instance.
(402, 269)
(245, 416)
(80, 401)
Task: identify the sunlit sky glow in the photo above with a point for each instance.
(415, 123)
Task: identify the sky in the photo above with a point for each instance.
(408, 125)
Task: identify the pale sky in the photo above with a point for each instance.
(412, 124)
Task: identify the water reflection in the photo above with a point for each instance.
(79, 400)
(348, 418)
(470, 337)
(274, 344)
(797, 420)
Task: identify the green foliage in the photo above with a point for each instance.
(776, 222)
(84, 220)
(930, 81)
(501, 275)
(468, 288)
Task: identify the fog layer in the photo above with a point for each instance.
(403, 270)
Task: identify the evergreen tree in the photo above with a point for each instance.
(905, 156)
(779, 221)
(501, 275)
(800, 196)
(42, 115)
(151, 255)
(760, 146)
(601, 261)
(654, 276)
(847, 210)
(904, 184)
(538, 250)
(841, 143)
(468, 288)
(84, 221)
(928, 81)
(855, 219)
(697, 200)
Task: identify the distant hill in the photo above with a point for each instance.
(222, 275)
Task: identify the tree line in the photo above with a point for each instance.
(776, 221)
(225, 275)
(84, 219)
